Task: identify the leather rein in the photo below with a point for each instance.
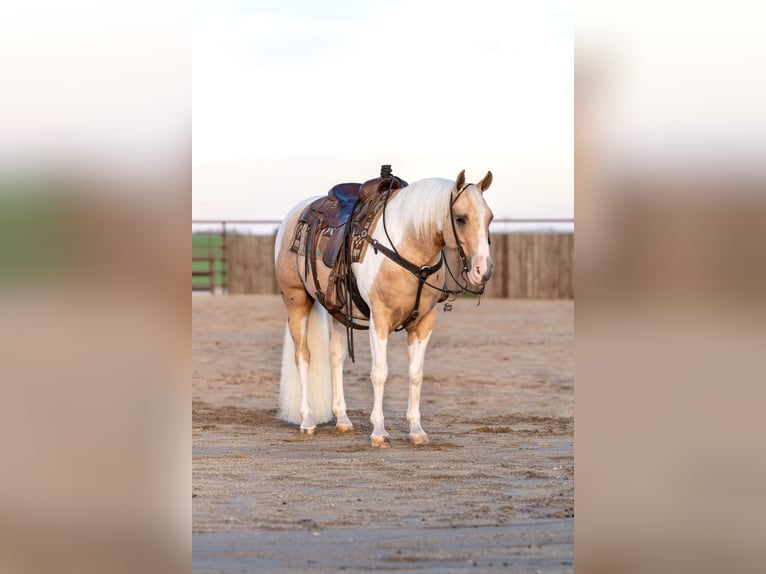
(423, 272)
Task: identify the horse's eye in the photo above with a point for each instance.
(460, 219)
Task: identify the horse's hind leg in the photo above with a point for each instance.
(337, 356)
(298, 306)
(417, 342)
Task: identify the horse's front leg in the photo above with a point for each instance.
(338, 341)
(379, 373)
(417, 341)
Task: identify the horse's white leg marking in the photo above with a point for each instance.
(302, 359)
(417, 352)
(378, 375)
(337, 356)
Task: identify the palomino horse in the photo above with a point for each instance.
(418, 222)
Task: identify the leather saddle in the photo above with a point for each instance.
(330, 228)
(326, 220)
(339, 203)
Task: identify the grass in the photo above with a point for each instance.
(208, 245)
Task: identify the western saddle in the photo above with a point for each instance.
(335, 228)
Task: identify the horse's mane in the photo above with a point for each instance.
(422, 205)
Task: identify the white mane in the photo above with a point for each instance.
(422, 204)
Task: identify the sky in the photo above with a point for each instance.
(293, 96)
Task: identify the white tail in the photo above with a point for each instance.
(320, 382)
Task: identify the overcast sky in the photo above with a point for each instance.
(293, 96)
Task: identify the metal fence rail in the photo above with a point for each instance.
(228, 257)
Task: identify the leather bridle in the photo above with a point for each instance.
(422, 273)
(461, 252)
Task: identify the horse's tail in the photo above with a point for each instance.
(320, 382)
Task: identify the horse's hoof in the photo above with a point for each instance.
(420, 438)
(343, 427)
(380, 442)
(309, 431)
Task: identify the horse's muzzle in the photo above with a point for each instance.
(481, 269)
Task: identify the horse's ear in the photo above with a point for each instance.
(484, 184)
(460, 180)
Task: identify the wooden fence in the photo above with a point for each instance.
(527, 265)
(532, 266)
(250, 264)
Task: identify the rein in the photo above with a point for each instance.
(422, 273)
(464, 271)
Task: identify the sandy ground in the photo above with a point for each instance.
(493, 491)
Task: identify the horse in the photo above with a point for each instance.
(400, 279)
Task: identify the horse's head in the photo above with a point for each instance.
(467, 229)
